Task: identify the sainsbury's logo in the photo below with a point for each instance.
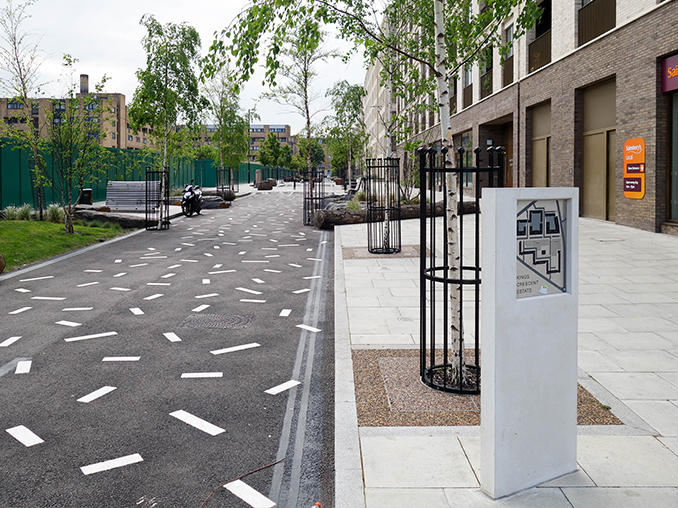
(634, 149)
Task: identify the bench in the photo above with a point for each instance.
(131, 196)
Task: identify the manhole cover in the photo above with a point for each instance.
(217, 321)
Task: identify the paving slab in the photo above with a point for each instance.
(661, 415)
(622, 497)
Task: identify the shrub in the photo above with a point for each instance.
(96, 223)
(354, 204)
(111, 225)
(24, 212)
(54, 213)
(361, 196)
(11, 213)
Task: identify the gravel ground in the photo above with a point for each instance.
(389, 393)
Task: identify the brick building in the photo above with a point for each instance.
(582, 92)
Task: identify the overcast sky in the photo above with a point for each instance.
(106, 39)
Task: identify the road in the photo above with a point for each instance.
(136, 374)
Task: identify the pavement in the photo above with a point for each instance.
(628, 360)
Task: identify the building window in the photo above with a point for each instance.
(138, 139)
(14, 105)
(91, 106)
(129, 138)
(508, 40)
(282, 140)
(144, 141)
(113, 135)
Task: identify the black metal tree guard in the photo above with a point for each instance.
(157, 199)
(314, 194)
(437, 350)
(383, 206)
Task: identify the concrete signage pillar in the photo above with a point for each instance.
(528, 337)
(257, 176)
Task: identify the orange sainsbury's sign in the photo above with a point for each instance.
(670, 74)
(634, 168)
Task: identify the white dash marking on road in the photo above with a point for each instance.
(93, 336)
(205, 281)
(242, 252)
(96, 394)
(37, 278)
(198, 423)
(259, 281)
(19, 311)
(121, 274)
(172, 337)
(269, 248)
(251, 261)
(111, 464)
(151, 248)
(218, 265)
(87, 284)
(272, 256)
(121, 359)
(309, 250)
(200, 308)
(313, 277)
(188, 244)
(168, 275)
(290, 245)
(272, 240)
(23, 367)
(138, 265)
(25, 436)
(216, 247)
(92, 271)
(209, 295)
(281, 388)
(158, 283)
(118, 261)
(48, 298)
(285, 312)
(198, 375)
(314, 259)
(235, 348)
(246, 300)
(153, 297)
(120, 289)
(299, 291)
(220, 271)
(250, 291)
(272, 271)
(309, 328)
(74, 309)
(153, 257)
(189, 260)
(252, 497)
(174, 266)
(208, 254)
(137, 311)
(10, 341)
(22, 290)
(295, 265)
(177, 249)
(72, 324)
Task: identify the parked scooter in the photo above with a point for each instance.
(191, 202)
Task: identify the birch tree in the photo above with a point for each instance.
(427, 43)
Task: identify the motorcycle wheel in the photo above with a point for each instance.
(186, 209)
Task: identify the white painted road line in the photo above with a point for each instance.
(198, 375)
(137, 311)
(190, 260)
(247, 300)
(111, 464)
(72, 324)
(218, 265)
(259, 281)
(198, 423)
(314, 259)
(281, 388)
(235, 348)
(253, 261)
(93, 271)
(200, 308)
(121, 359)
(153, 297)
(205, 281)
(313, 277)
(208, 254)
(158, 283)
(37, 278)
(23, 367)
(24, 435)
(309, 328)
(210, 295)
(168, 275)
(10, 341)
(96, 394)
(295, 265)
(153, 257)
(87, 284)
(120, 289)
(120, 274)
(173, 267)
(285, 312)
(249, 495)
(137, 265)
(19, 311)
(272, 271)
(22, 290)
(93, 336)
(118, 261)
(73, 309)
(250, 291)
(48, 298)
(172, 337)
(299, 291)
(220, 271)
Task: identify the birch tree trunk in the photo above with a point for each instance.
(454, 256)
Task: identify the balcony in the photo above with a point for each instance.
(596, 18)
(540, 52)
(507, 72)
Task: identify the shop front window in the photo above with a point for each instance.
(674, 158)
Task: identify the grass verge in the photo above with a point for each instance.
(26, 242)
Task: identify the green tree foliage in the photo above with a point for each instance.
(21, 60)
(285, 156)
(168, 93)
(74, 130)
(269, 151)
(316, 154)
(347, 138)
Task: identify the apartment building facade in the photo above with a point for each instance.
(588, 98)
(258, 133)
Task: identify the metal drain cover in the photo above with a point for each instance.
(217, 321)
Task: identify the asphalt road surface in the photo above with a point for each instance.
(151, 370)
